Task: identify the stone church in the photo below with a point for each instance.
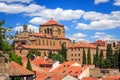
(50, 38)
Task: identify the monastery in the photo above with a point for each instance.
(50, 38)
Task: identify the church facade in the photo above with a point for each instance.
(50, 38)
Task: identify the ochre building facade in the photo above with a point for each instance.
(50, 38)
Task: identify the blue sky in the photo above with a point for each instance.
(87, 20)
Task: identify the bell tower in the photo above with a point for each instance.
(25, 28)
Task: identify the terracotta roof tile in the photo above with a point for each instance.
(51, 22)
(82, 45)
(16, 70)
(42, 47)
(89, 78)
(67, 68)
(112, 78)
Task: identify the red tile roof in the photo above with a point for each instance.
(41, 60)
(41, 47)
(68, 68)
(43, 76)
(18, 70)
(85, 45)
(100, 43)
(82, 45)
(89, 78)
(51, 22)
(112, 78)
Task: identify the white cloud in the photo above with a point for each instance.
(100, 1)
(37, 20)
(100, 21)
(58, 14)
(117, 3)
(21, 1)
(103, 36)
(19, 8)
(78, 37)
(32, 27)
(92, 15)
(99, 25)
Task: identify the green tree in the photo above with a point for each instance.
(119, 59)
(33, 53)
(84, 57)
(14, 57)
(63, 51)
(6, 47)
(109, 56)
(88, 57)
(102, 60)
(96, 57)
(2, 33)
(116, 57)
(29, 65)
(58, 57)
(50, 55)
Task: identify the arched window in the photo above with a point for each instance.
(114, 45)
(45, 54)
(50, 31)
(39, 42)
(47, 42)
(59, 31)
(43, 42)
(47, 30)
(50, 43)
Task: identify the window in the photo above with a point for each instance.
(59, 31)
(50, 31)
(75, 54)
(71, 59)
(47, 42)
(78, 54)
(39, 42)
(78, 49)
(45, 31)
(71, 54)
(43, 42)
(79, 59)
(45, 54)
(75, 59)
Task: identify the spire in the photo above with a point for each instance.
(30, 30)
(33, 31)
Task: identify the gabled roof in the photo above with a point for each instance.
(41, 47)
(51, 22)
(18, 70)
(68, 68)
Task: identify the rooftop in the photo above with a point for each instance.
(51, 22)
(18, 70)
